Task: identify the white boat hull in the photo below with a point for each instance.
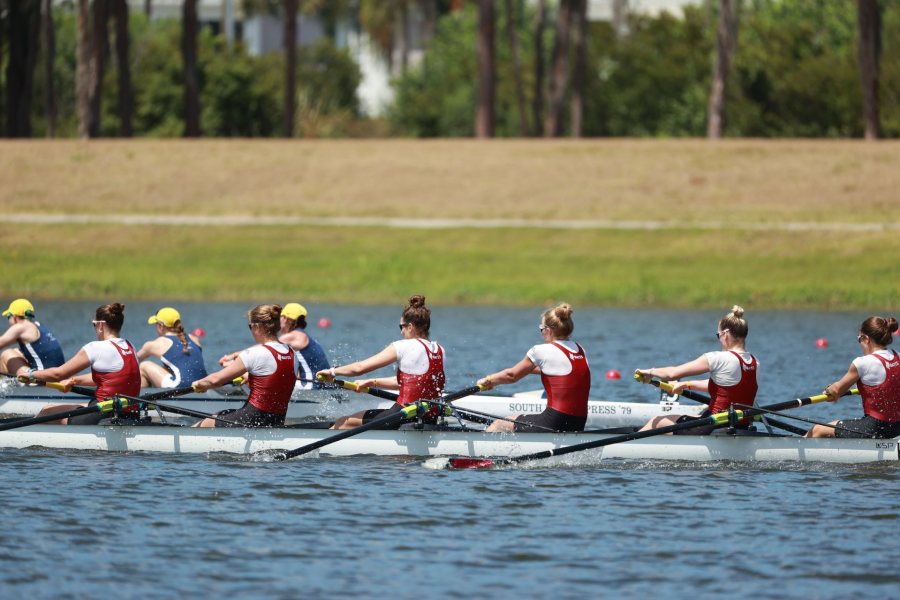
(330, 404)
(171, 439)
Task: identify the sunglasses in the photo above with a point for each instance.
(402, 325)
(95, 323)
(859, 338)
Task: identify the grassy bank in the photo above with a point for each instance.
(684, 182)
(510, 267)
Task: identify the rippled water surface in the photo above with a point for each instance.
(82, 524)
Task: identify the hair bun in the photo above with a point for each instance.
(416, 301)
(737, 311)
(892, 324)
(117, 308)
(563, 311)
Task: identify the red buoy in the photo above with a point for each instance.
(199, 332)
(821, 343)
(324, 323)
(613, 374)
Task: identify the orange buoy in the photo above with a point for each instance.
(613, 374)
(821, 343)
(199, 332)
(324, 323)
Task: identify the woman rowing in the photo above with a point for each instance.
(732, 375)
(38, 347)
(113, 363)
(181, 362)
(563, 367)
(420, 368)
(272, 367)
(877, 374)
(310, 353)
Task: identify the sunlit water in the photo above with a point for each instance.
(81, 525)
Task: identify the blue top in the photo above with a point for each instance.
(43, 353)
(185, 368)
(312, 360)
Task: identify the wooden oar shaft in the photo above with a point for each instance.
(405, 414)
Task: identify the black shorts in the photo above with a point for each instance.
(705, 429)
(249, 416)
(377, 413)
(868, 427)
(549, 419)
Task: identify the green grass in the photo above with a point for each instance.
(692, 268)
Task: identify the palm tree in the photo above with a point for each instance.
(869, 21)
(120, 10)
(726, 45)
(189, 27)
(484, 112)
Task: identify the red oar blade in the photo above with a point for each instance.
(462, 462)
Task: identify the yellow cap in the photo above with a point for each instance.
(167, 316)
(20, 308)
(294, 311)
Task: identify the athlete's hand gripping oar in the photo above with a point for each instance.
(716, 420)
(698, 397)
(58, 385)
(105, 406)
(407, 413)
(372, 391)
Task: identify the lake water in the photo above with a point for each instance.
(81, 524)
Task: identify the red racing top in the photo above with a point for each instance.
(743, 392)
(272, 393)
(126, 380)
(569, 393)
(882, 401)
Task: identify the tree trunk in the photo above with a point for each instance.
(84, 69)
(559, 75)
(290, 66)
(148, 8)
(23, 19)
(126, 102)
(537, 107)
(869, 19)
(101, 48)
(512, 23)
(580, 70)
(726, 45)
(189, 27)
(49, 39)
(484, 114)
(429, 19)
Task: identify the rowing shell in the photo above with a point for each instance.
(722, 446)
(308, 405)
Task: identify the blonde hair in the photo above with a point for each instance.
(735, 323)
(559, 320)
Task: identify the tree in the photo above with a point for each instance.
(126, 97)
(726, 45)
(100, 49)
(189, 30)
(869, 21)
(484, 112)
(49, 42)
(512, 33)
(537, 106)
(290, 66)
(23, 20)
(84, 69)
(579, 75)
(559, 73)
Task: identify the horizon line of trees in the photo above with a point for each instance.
(490, 67)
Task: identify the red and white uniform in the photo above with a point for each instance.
(114, 369)
(273, 369)
(420, 371)
(879, 384)
(565, 374)
(732, 379)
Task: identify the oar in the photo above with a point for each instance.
(56, 385)
(405, 414)
(105, 406)
(168, 393)
(716, 420)
(698, 397)
(377, 392)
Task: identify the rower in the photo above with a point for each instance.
(38, 347)
(113, 363)
(182, 362)
(563, 367)
(420, 368)
(273, 368)
(877, 373)
(732, 375)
